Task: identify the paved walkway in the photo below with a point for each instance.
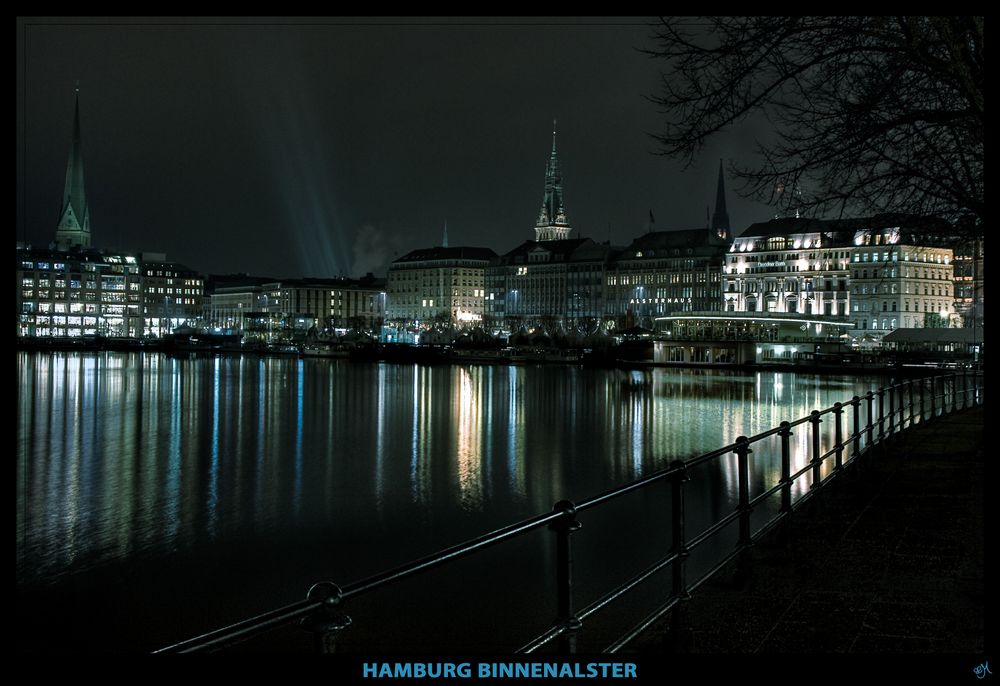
(888, 561)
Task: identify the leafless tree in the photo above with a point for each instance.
(870, 114)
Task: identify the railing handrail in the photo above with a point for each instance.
(325, 596)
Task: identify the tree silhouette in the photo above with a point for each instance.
(871, 114)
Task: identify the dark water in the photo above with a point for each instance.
(158, 498)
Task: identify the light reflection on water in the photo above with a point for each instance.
(126, 457)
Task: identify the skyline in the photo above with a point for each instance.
(323, 188)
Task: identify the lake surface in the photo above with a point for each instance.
(158, 498)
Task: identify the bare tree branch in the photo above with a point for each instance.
(871, 114)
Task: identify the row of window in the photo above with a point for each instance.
(887, 256)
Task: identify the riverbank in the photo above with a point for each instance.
(440, 355)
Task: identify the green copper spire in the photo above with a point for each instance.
(74, 218)
(552, 223)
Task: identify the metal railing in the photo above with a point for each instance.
(900, 406)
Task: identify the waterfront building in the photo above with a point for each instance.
(172, 295)
(901, 277)
(549, 283)
(968, 262)
(325, 303)
(71, 289)
(441, 285)
(231, 300)
(790, 265)
(883, 272)
(265, 304)
(78, 292)
(664, 272)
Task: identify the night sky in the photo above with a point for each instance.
(328, 148)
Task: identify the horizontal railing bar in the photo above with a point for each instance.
(707, 575)
(626, 587)
(536, 643)
(714, 529)
(630, 635)
(628, 488)
(802, 499)
(766, 494)
(769, 525)
(777, 429)
(796, 475)
(244, 629)
(456, 551)
(702, 459)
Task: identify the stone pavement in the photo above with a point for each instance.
(888, 560)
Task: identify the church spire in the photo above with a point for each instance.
(720, 220)
(444, 239)
(552, 223)
(74, 217)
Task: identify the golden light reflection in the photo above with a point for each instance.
(468, 436)
(423, 440)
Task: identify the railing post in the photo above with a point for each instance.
(902, 407)
(881, 414)
(679, 548)
(892, 409)
(923, 386)
(933, 381)
(742, 459)
(954, 392)
(965, 388)
(838, 438)
(742, 455)
(816, 460)
(870, 397)
(856, 453)
(326, 623)
(563, 527)
(902, 404)
(786, 480)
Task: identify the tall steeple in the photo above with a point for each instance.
(552, 223)
(74, 218)
(720, 219)
(444, 239)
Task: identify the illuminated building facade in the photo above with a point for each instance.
(327, 303)
(789, 265)
(665, 272)
(78, 293)
(548, 283)
(441, 285)
(172, 295)
(898, 281)
(969, 262)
